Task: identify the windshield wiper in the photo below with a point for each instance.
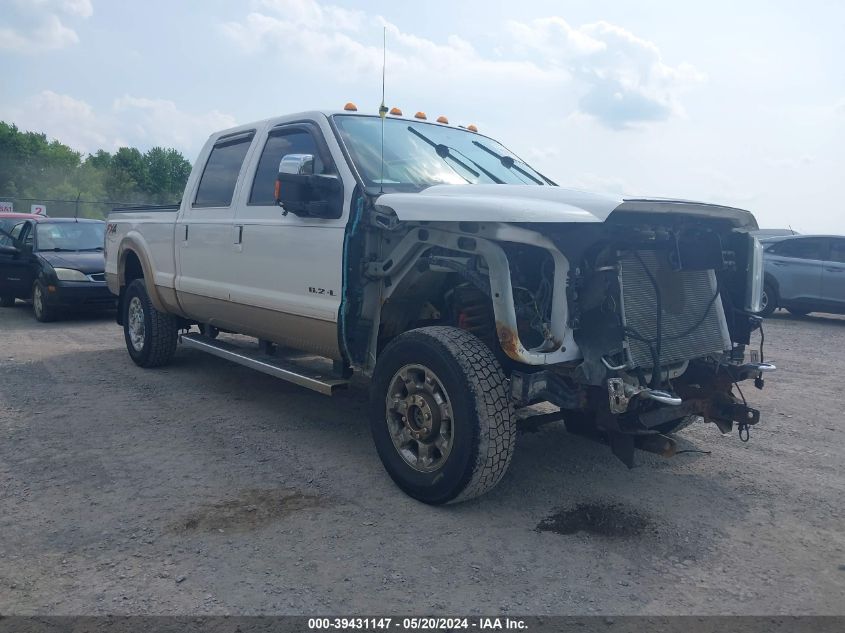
(510, 163)
(444, 151)
(57, 250)
(93, 248)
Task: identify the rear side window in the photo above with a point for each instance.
(278, 145)
(837, 251)
(217, 185)
(801, 248)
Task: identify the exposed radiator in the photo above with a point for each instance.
(686, 296)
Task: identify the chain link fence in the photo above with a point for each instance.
(60, 208)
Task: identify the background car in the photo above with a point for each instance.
(58, 263)
(804, 273)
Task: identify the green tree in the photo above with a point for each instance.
(32, 166)
(167, 173)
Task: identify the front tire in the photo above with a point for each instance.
(441, 419)
(40, 310)
(151, 336)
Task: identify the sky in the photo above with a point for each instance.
(721, 101)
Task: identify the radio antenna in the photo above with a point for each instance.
(382, 110)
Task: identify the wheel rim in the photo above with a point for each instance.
(764, 300)
(38, 301)
(135, 323)
(419, 418)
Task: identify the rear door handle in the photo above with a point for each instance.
(239, 234)
(780, 263)
(835, 270)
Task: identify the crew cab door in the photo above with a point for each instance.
(833, 277)
(203, 233)
(797, 265)
(289, 267)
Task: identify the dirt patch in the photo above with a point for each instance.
(253, 509)
(611, 520)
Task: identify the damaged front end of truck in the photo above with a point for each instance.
(634, 317)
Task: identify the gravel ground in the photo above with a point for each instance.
(208, 488)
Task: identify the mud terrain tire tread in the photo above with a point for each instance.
(492, 418)
(162, 330)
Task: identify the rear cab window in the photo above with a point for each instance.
(220, 175)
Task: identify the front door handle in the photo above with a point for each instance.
(780, 263)
(835, 270)
(239, 234)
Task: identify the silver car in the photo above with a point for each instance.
(804, 273)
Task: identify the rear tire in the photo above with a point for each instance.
(151, 336)
(441, 419)
(40, 310)
(7, 301)
(770, 300)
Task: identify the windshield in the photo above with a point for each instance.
(418, 155)
(69, 236)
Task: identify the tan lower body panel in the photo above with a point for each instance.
(304, 333)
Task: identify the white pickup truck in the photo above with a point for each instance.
(458, 280)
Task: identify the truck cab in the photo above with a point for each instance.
(458, 280)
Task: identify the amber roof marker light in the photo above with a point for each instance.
(472, 128)
(394, 111)
(420, 115)
(442, 119)
(350, 107)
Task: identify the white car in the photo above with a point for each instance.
(459, 280)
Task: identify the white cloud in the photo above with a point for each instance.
(82, 8)
(312, 14)
(36, 26)
(130, 120)
(309, 34)
(70, 120)
(804, 160)
(160, 122)
(625, 78)
(599, 69)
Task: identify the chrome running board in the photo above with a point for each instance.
(287, 368)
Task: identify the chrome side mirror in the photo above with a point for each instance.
(297, 164)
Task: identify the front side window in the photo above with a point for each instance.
(801, 248)
(69, 236)
(279, 145)
(217, 185)
(418, 155)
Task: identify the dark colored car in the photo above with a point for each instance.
(804, 273)
(58, 263)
